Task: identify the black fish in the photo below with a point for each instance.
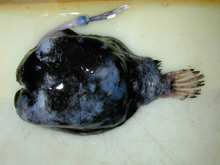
(90, 83)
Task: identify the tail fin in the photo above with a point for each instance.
(184, 84)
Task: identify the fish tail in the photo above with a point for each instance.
(183, 84)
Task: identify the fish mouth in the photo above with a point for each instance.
(22, 100)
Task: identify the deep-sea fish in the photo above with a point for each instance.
(91, 83)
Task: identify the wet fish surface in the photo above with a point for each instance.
(91, 83)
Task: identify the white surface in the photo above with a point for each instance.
(166, 131)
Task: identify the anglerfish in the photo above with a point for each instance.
(90, 83)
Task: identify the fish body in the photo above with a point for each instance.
(90, 83)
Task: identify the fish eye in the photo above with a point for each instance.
(37, 67)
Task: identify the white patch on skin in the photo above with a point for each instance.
(44, 49)
(110, 81)
(41, 99)
(23, 108)
(89, 104)
(83, 107)
(102, 72)
(49, 81)
(39, 112)
(46, 46)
